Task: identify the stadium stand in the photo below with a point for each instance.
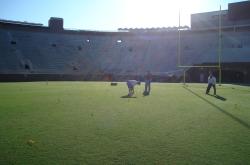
(32, 51)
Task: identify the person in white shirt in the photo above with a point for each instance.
(131, 84)
(211, 83)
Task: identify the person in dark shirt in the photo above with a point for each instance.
(148, 80)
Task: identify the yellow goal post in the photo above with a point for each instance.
(219, 52)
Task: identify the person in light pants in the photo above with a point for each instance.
(211, 83)
(131, 84)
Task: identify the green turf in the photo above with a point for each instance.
(89, 123)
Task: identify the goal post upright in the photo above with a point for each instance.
(179, 42)
(220, 46)
(218, 66)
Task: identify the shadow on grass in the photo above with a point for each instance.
(145, 93)
(243, 123)
(130, 97)
(218, 97)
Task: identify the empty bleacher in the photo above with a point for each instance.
(123, 53)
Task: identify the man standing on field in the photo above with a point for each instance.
(131, 84)
(148, 79)
(211, 83)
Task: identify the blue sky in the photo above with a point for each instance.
(108, 14)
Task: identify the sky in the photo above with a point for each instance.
(108, 15)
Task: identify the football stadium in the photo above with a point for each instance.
(64, 93)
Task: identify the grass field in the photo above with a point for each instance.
(90, 123)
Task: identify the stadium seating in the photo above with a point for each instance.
(30, 52)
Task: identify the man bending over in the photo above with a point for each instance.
(131, 84)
